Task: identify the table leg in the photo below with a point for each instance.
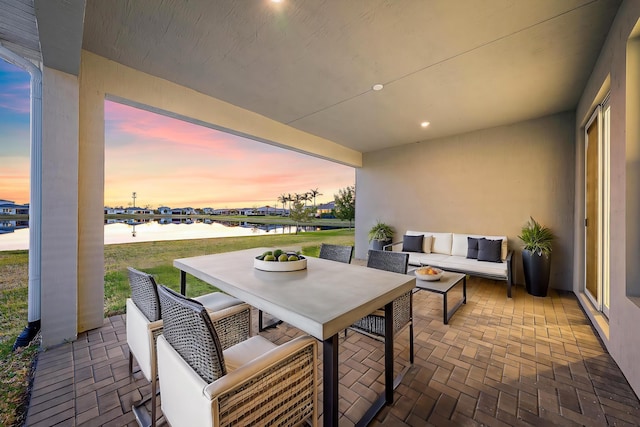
(445, 313)
(388, 353)
(464, 289)
(330, 381)
(183, 282)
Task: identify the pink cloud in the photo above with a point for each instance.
(174, 162)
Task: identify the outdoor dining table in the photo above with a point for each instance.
(321, 300)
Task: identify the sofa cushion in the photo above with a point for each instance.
(427, 240)
(419, 258)
(412, 243)
(472, 247)
(497, 269)
(489, 250)
(460, 244)
(441, 243)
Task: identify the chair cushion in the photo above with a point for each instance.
(412, 243)
(216, 301)
(489, 250)
(244, 352)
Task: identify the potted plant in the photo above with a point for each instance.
(536, 257)
(379, 235)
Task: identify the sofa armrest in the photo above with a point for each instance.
(509, 261)
(390, 246)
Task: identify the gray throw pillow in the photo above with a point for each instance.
(472, 247)
(489, 250)
(412, 243)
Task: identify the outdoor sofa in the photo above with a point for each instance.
(473, 254)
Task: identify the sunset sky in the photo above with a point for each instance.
(167, 161)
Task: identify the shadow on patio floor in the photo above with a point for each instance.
(520, 361)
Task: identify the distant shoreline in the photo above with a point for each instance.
(255, 219)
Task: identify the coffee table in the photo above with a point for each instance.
(443, 286)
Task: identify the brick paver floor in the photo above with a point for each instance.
(522, 361)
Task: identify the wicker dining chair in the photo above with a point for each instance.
(144, 325)
(252, 383)
(373, 324)
(338, 253)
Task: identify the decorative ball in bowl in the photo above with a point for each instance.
(428, 273)
(279, 260)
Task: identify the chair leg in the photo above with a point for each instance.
(154, 387)
(140, 411)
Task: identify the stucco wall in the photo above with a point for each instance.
(59, 273)
(619, 332)
(486, 182)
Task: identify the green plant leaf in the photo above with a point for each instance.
(536, 237)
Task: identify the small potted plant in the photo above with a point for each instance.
(379, 235)
(536, 258)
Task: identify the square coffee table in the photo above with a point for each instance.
(443, 286)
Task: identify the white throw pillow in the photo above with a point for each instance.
(441, 243)
(427, 242)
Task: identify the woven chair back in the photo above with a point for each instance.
(338, 253)
(188, 328)
(144, 293)
(396, 262)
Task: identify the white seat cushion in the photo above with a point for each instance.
(216, 301)
(473, 265)
(244, 352)
(417, 258)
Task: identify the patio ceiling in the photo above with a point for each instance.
(461, 65)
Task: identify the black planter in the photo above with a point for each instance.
(536, 272)
(379, 244)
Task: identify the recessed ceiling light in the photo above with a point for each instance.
(424, 124)
(377, 87)
(276, 1)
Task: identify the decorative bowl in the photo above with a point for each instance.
(300, 264)
(430, 274)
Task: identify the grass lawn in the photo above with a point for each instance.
(152, 257)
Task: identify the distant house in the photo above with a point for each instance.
(164, 210)
(113, 211)
(207, 211)
(325, 209)
(183, 211)
(138, 211)
(7, 207)
(226, 211)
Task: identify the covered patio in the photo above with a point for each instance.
(463, 116)
(524, 361)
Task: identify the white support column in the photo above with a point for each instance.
(35, 202)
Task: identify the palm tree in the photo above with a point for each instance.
(290, 199)
(306, 197)
(283, 199)
(314, 193)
